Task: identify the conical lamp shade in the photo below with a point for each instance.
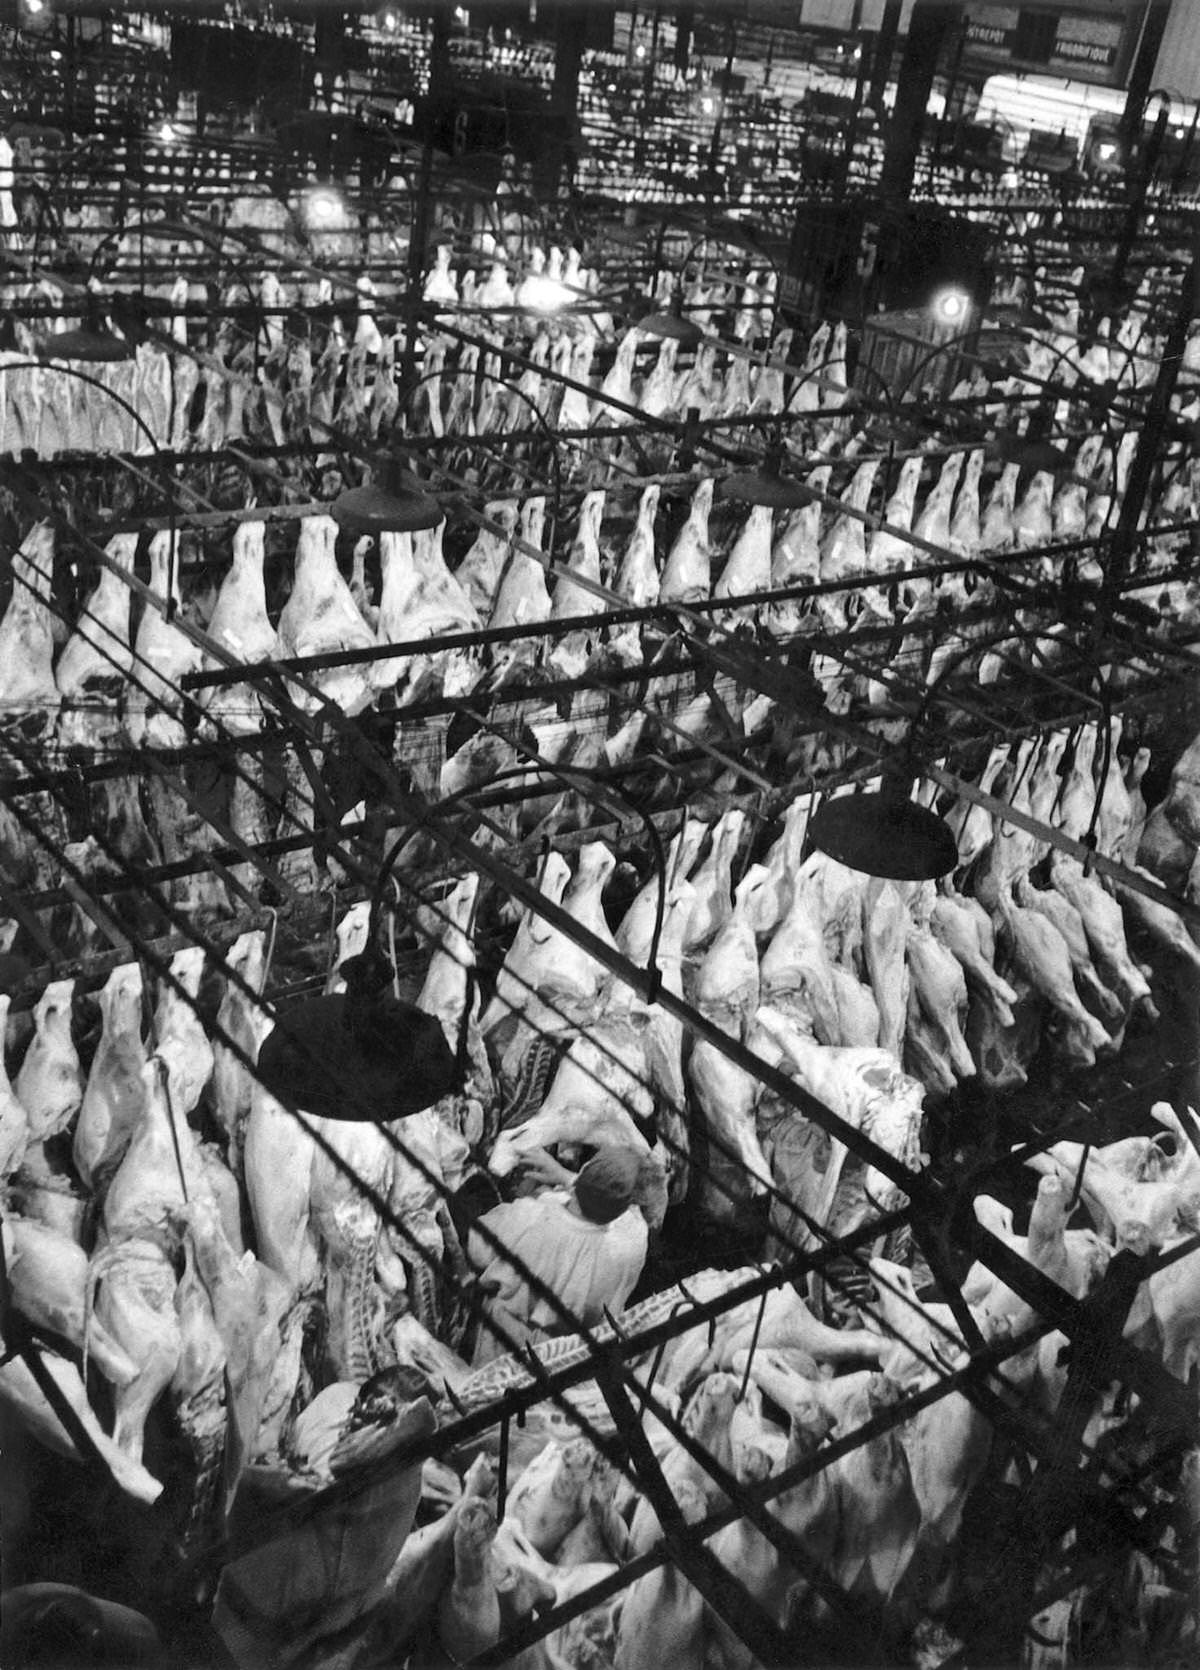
(373, 510)
(672, 325)
(884, 834)
(95, 347)
(765, 487)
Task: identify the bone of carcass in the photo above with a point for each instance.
(21, 1393)
(26, 630)
(420, 599)
(1114, 814)
(98, 651)
(726, 983)
(239, 624)
(595, 1097)
(48, 1282)
(618, 383)
(1160, 921)
(749, 566)
(277, 1163)
(248, 1304)
(112, 1097)
(1102, 923)
(1078, 798)
(135, 1304)
(711, 881)
(1046, 785)
(939, 985)
(707, 1417)
(179, 1033)
(1059, 911)
(960, 929)
(163, 655)
(571, 651)
(321, 617)
(14, 1121)
(238, 1018)
(49, 1085)
(686, 575)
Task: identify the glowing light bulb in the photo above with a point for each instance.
(166, 134)
(640, 52)
(707, 106)
(390, 21)
(322, 208)
(950, 307)
(33, 7)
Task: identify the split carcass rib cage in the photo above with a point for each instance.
(711, 646)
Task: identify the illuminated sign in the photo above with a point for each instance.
(1083, 42)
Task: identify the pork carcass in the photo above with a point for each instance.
(637, 582)
(14, 1121)
(277, 1163)
(50, 1085)
(112, 1097)
(478, 574)
(726, 982)
(1073, 1258)
(1040, 954)
(960, 928)
(135, 1304)
(237, 1019)
(748, 569)
(321, 617)
(1159, 920)
(1058, 910)
(529, 959)
(27, 628)
(796, 557)
(686, 575)
(713, 904)
(662, 1616)
(421, 599)
(48, 1282)
(21, 1393)
(571, 652)
(1102, 923)
(707, 1418)
(844, 550)
(1137, 1196)
(947, 1443)
(164, 653)
(726, 1096)
(598, 1095)
(98, 651)
(998, 531)
(773, 899)
(197, 1394)
(181, 1039)
(147, 1185)
(351, 1171)
(939, 986)
(248, 1304)
(240, 625)
(522, 597)
(888, 549)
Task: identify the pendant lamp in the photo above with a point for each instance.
(885, 832)
(374, 509)
(93, 346)
(671, 324)
(766, 485)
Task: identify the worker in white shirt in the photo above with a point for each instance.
(583, 1237)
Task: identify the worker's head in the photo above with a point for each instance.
(606, 1185)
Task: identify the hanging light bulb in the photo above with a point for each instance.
(373, 509)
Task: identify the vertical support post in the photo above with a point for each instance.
(685, 23)
(418, 236)
(885, 47)
(930, 23)
(1141, 74)
(570, 35)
